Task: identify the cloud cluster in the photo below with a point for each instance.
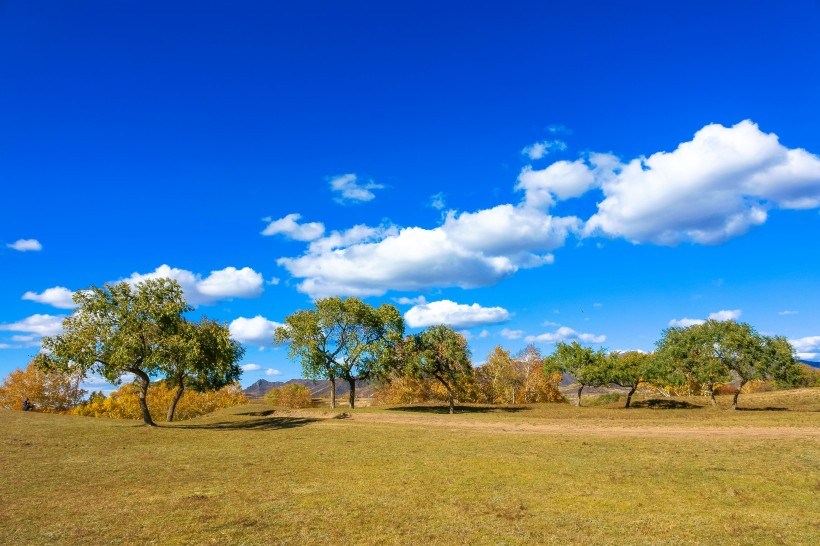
(454, 314)
(34, 328)
(807, 348)
(290, 227)
(254, 331)
(219, 285)
(349, 189)
(540, 149)
(564, 333)
(59, 297)
(26, 245)
(729, 314)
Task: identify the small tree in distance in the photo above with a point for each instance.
(582, 363)
(441, 353)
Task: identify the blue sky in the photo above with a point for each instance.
(526, 172)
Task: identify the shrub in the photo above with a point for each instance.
(292, 395)
(51, 391)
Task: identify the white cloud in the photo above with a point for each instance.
(291, 228)
(454, 314)
(733, 314)
(709, 189)
(255, 331)
(469, 250)
(540, 149)
(512, 334)
(39, 325)
(250, 367)
(222, 284)
(410, 301)
(561, 180)
(598, 305)
(565, 333)
(807, 348)
(721, 316)
(685, 322)
(273, 281)
(484, 334)
(788, 312)
(26, 245)
(58, 296)
(271, 371)
(437, 201)
(350, 189)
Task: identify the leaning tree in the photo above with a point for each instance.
(440, 353)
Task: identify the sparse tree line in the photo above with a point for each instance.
(346, 338)
(141, 330)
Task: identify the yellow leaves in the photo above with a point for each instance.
(51, 391)
(124, 402)
(292, 395)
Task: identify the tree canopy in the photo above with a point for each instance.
(582, 363)
(441, 353)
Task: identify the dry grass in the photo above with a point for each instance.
(250, 475)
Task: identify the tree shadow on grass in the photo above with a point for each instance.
(664, 404)
(460, 409)
(770, 408)
(267, 423)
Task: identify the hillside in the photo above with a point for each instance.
(318, 389)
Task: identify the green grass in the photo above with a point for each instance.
(410, 475)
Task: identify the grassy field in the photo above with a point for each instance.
(545, 474)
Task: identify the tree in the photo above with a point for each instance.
(292, 395)
(441, 353)
(343, 338)
(582, 363)
(536, 386)
(715, 351)
(499, 378)
(628, 370)
(118, 329)
(202, 357)
(49, 391)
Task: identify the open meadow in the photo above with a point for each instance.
(541, 474)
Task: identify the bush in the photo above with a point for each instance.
(292, 395)
(51, 391)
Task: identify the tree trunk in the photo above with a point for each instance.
(712, 395)
(579, 396)
(332, 392)
(737, 393)
(449, 393)
(629, 396)
(143, 393)
(176, 398)
(352, 396)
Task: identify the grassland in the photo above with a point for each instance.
(545, 474)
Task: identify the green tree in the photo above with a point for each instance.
(628, 370)
(201, 357)
(118, 329)
(345, 339)
(440, 353)
(582, 363)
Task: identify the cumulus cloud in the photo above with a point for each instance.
(728, 314)
(512, 334)
(565, 333)
(38, 325)
(707, 190)
(807, 348)
(469, 250)
(271, 371)
(219, 285)
(26, 245)
(290, 227)
(254, 331)
(454, 314)
(250, 367)
(58, 296)
(350, 189)
(540, 149)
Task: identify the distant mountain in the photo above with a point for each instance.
(318, 389)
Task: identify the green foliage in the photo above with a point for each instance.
(442, 354)
(116, 330)
(292, 395)
(583, 363)
(630, 369)
(346, 339)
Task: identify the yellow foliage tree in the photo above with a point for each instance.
(292, 395)
(52, 391)
(124, 402)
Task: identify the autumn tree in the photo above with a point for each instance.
(583, 363)
(440, 353)
(49, 391)
(116, 330)
(499, 378)
(201, 356)
(536, 386)
(343, 338)
(291, 395)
